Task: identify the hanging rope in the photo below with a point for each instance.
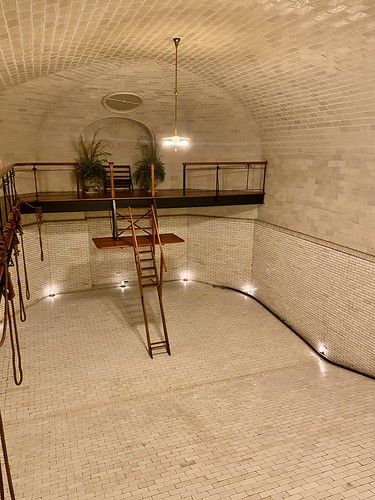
(19, 229)
(25, 269)
(6, 464)
(8, 293)
(39, 222)
(13, 333)
(16, 352)
(4, 262)
(8, 243)
(20, 295)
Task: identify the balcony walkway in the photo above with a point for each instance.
(165, 198)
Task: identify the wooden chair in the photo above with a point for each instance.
(122, 177)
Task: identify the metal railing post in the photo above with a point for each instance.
(114, 220)
(264, 176)
(5, 199)
(12, 186)
(77, 179)
(217, 180)
(247, 176)
(35, 183)
(184, 180)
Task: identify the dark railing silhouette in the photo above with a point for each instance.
(39, 169)
(217, 168)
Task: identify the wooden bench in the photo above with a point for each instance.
(122, 178)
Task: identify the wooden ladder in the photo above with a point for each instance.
(146, 239)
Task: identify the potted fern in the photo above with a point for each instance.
(93, 153)
(150, 154)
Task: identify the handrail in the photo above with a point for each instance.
(155, 224)
(225, 163)
(41, 166)
(135, 243)
(11, 166)
(228, 165)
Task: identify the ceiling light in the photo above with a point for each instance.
(176, 141)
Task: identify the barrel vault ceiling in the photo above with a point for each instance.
(288, 62)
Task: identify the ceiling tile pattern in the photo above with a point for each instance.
(307, 63)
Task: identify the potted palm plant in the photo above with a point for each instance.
(149, 150)
(93, 153)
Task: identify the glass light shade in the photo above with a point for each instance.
(176, 141)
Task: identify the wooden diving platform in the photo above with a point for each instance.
(127, 241)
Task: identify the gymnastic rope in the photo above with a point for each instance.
(4, 262)
(13, 333)
(17, 381)
(39, 222)
(19, 230)
(6, 464)
(20, 295)
(10, 319)
(15, 226)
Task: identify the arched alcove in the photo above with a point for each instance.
(124, 134)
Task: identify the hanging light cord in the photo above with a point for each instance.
(176, 42)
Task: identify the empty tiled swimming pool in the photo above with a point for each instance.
(242, 408)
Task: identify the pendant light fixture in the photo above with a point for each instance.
(176, 141)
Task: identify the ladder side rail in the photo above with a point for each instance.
(163, 319)
(139, 273)
(135, 243)
(162, 258)
(115, 232)
(112, 179)
(161, 275)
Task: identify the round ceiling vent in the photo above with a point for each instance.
(121, 102)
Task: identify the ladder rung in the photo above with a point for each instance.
(147, 268)
(140, 228)
(146, 260)
(145, 251)
(150, 284)
(135, 217)
(158, 345)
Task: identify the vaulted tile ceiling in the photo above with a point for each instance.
(296, 59)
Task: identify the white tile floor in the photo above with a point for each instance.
(242, 408)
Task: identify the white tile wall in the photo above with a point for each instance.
(328, 197)
(326, 294)
(72, 262)
(220, 250)
(324, 291)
